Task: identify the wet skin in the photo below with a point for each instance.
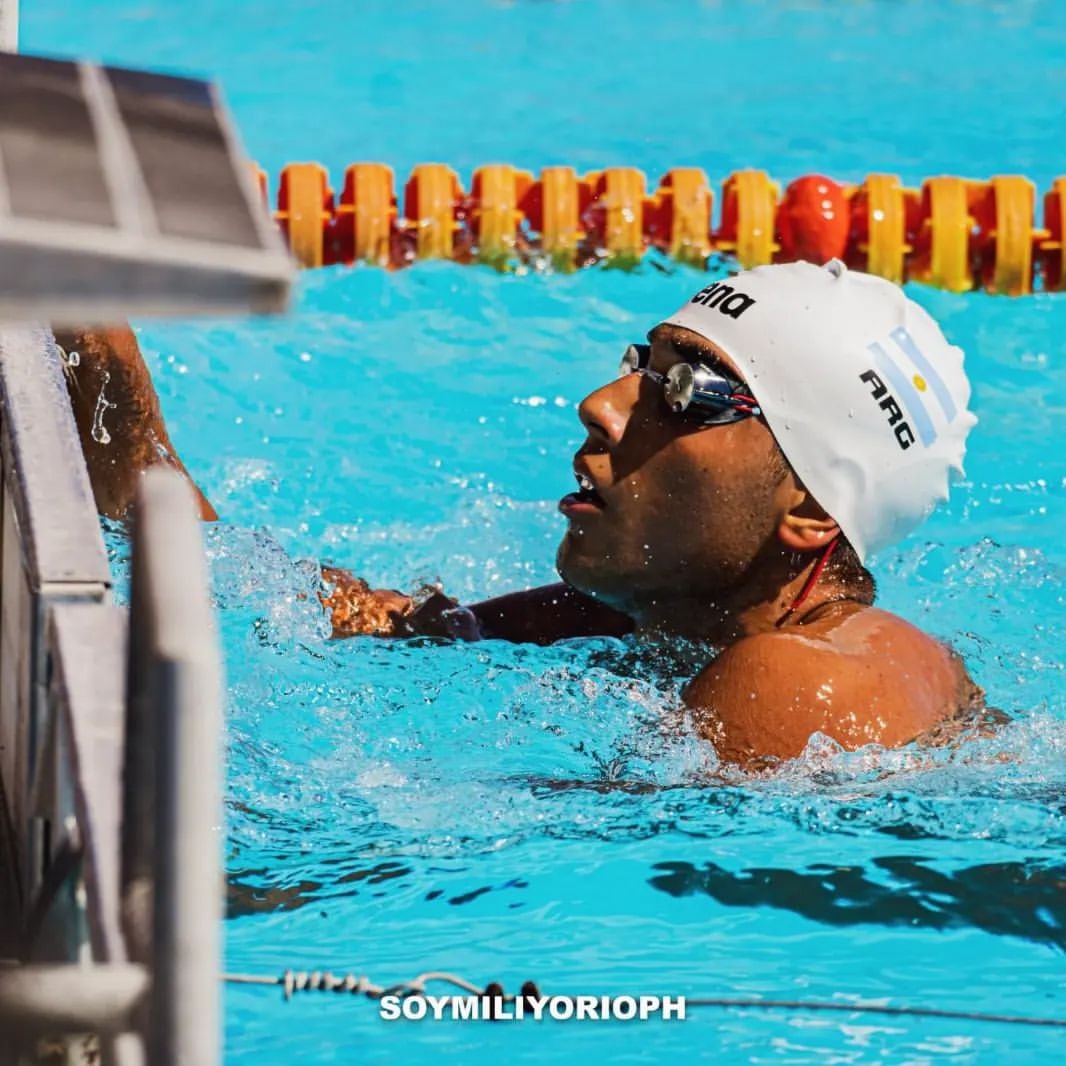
(698, 533)
(117, 412)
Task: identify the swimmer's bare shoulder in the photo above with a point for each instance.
(857, 674)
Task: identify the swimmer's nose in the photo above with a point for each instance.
(606, 412)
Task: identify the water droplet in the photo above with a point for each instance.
(99, 431)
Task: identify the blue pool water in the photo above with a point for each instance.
(391, 807)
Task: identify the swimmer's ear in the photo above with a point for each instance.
(804, 526)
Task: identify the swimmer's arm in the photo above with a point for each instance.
(547, 614)
(118, 416)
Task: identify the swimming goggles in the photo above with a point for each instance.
(694, 390)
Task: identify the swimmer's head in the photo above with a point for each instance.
(861, 417)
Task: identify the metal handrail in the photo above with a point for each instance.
(173, 730)
(53, 552)
(113, 835)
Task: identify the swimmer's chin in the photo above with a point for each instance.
(590, 575)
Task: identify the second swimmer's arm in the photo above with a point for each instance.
(117, 412)
(534, 616)
(547, 614)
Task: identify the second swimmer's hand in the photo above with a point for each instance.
(358, 610)
(440, 616)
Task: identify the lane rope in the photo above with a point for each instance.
(953, 232)
(293, 981)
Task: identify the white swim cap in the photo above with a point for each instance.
(864, 394)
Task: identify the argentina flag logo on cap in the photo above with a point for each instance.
(914, 379)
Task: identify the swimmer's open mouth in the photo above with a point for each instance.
(586, 499)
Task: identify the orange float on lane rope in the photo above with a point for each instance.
(616, 214)
(813, 220)
(678, 216)
(430, 199)
(1053, 239)
(305, 208)
(749, 202)
(883, 215)
(366, 214)
(943, 253)
(1005, 235)
(553, 208)
(496, 192)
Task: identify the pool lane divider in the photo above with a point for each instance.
(495, 998)
(953, 233)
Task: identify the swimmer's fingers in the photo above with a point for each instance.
(343, 580)
(358, 610)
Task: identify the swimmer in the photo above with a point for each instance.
(770, 435)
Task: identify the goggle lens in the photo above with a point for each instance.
(693, 389)
(678, 387)
(634, 358)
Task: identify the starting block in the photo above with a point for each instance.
(124, 193)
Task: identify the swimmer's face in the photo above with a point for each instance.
(685, 509)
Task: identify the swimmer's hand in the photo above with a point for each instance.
(358, 610)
